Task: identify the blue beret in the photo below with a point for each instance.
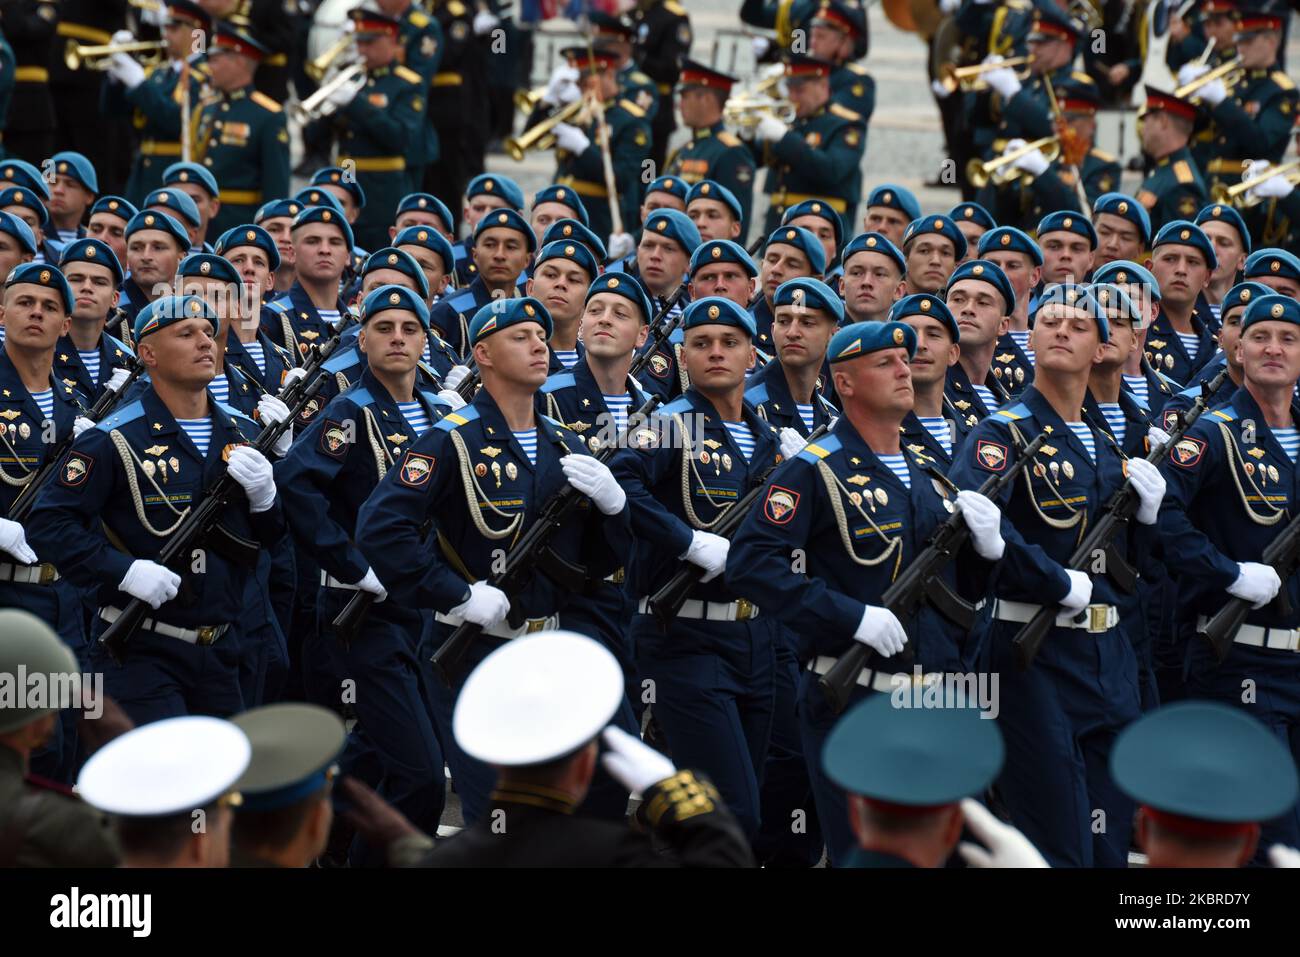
(191, 173)
(19, 230)
(78, 167)
(1076, 297)
(491, 184)
(817, 207)
(208, 266)
(709, 189)
(94, 252)
(859, 338)
(895, 197)
(506, 219)
(874, 243)
(912, 756)
(429, 238)
(1123, 272)
(925, 304)
(621, 284)
(500, 313)
(722, 251)
(573, 229)
(1271, 308)
(1242, 294)
(1125, 207)
(988, 272)
(22, 173)
(972, 213)
(337, 176)
(1008, 239)
(1271, 261)
(19, 196)
(315, 196)
(802, 240)
(938, 224)
(565, 196)
(115, 205)
(1219, 213)
(1205, 761)
(813, 293)
(1068, 221)
(674, 224)
(152, 219)
(1116, 302)
(391, 258)
(717, 311)
(394, 297)
(249, 235)
(170, 309)
(41, 274)
(277, 209)
(425, 203)
(1180, 232)
(330, 215)
(668, 184)
(178, 202)
(573, 251)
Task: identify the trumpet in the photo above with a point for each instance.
(541, 136)
(146, 4)
(1000, 170)
(318, 105)
(317, 68)
(1239, 195)
(78, 56)
(1229, 71)
(746, 111)
(526, 100)
(968, 77)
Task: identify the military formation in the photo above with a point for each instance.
(674, 528)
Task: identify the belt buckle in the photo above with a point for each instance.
(1097, 618)
(744, 609)
(534, 625)
(48, 573)
(206, 635)
(618, 576)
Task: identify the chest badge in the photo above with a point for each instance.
(512, 471)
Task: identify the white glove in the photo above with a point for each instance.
(292, 376)
(272, 410)
(1004, 845)
(939, 90)
(1190, 71)
(770, 129)
(1080, 592)
(984, 519)
(709, 551)
(1034, 162)
(881, 630)
(344, 95)
(452, 398)
(633, 763)
(150, 582)
(1275, 187)
(81, 424)
(122, 36)
(250, 469)
(455, 376)
(484, 22)
(1157, 436)
(563, 86)
(949, 7)
(572, 139)
(1003, 80)
(792, 442)
(1283, 856)
(370, 583)
(593, 479)
(620, 245)
(117, 380)
(125, 70)
(760, 46)
(1256, 583)
(13, 539)
(1150, 487)
(486, 605)
(1213, 93)
(154, 16)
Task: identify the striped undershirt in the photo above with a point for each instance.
(1216, 310)
(255, 350)
(415, 415)
(1115, 419)
(568, 357)
(1021, 337)
(938, 427)
(528, 440)
(2, 333)
(619, 406)
(743, 437)
(986, 396)
(1191, 344)
(1084, 434)
(330, 316)
(1289, 439)
(46, 402)
(898, 465)
(91, 361)
(199, 431)
(220, 387)
(1137, 384)
(805, 413)
(67, 236)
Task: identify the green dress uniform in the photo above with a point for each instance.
(44, 825)
(637, 87)
(242, 139)
(155, 108)
(663, 39)
(716, 154)
(1275, 222)
(629, 138)
(456, 106)
(989, 28)
(853, 88)
(1174, 190)
(422, 44)
(1207, 134)
(1028, 114)
(29, 129)
(1022, 204)
(1254, 121)
(267, 22)
(819, 158)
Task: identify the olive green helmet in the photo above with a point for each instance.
(27, 642)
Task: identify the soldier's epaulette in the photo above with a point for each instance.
(672, 6)
(559, 426)
(857, 68)
(1227, 413)
(1015, 413)
(265, 102)
(756, 394)
(235, 415)
(122, 416)
(816, 451)
(680, 404)
(1103, 155)
(407, 74)
(358, 394)
(843, 112)
(1282, 80)
(1170, 385)
(456, 8)
(632, 108)
(1140, 402)
(462, 300)
(433, 398)
(639, 78)
(119, 344)
(561, 380)
(341, 360)
(282, 305)
(727, 138)
(454, 420)
(418, 19)
(1183, 172)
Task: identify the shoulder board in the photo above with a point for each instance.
(756, 395)
(727, 138)
(407, 74)
(265, 102)
(1103, 155)
(118, 344)
(433, 398)
(815, 451)
(843, 112)
(1016, 412)
(121, 417)
(857, 68)
(827, 406)
(672, 6)
(1282, 80)
(1227, 413)
(454, 420)
(283, 304)
(1140, 402)
(680, 404)
(1170, 385)
(1019, 4)
(456, 8)
(561, 380)
(632, 108)
(636, 76)
(235, 414)
(418, 19)
(341, 361)
(358, 394)
(1183, 172)
(1192, 391)
(463, 299)
(549, 421)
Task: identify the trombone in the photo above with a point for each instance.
(317, 68)
(78, 56)
(1239, 195)
(540, 136)
(1229, 71)
(968, 77)
(318, 105)
(1000, 170)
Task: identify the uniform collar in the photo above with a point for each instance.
(585, 382)
(534, 795)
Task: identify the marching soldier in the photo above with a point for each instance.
(1151, 386)
(932, 247)
(312, 308)
(890, 209)
(72, 192)
(981, 301)
(819, 155)
(974, 221)
(838, 31)
(785, 391)
(1068, 243)
(155, 244)
(266, 22)
(201, 187)
(460, 79)
(933, 427)
(26, 204)
(1021, 262)
(1123, 228)
(486, 192)
(791, 252)
(1230, 237)
(108, 219)
(181, 208)
(88, 357)
(17, 246)
(720, 267)
(1275, 268)
(1181, 341)
(430, 249)
(253, 253)
(715, 212)
(553, 203)
(1174, 190)
(277, 217)
(824, 223)
(872, 278)
(1025, 107)
(616, 34)
(663, 38)
(562, 272)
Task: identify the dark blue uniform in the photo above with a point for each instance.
(68, 367)
(1166, 352)
(769, 394)
(450, 317)
(1012, 367)
(293, 323)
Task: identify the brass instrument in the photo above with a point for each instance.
(79, 56)
(745, 112)
(526, 100)
(541, 135)
(969, 77)
(1230, 72)
(318, 105)
(146, 4)
(1000, 170)
(321, 65)
(1238, 195)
